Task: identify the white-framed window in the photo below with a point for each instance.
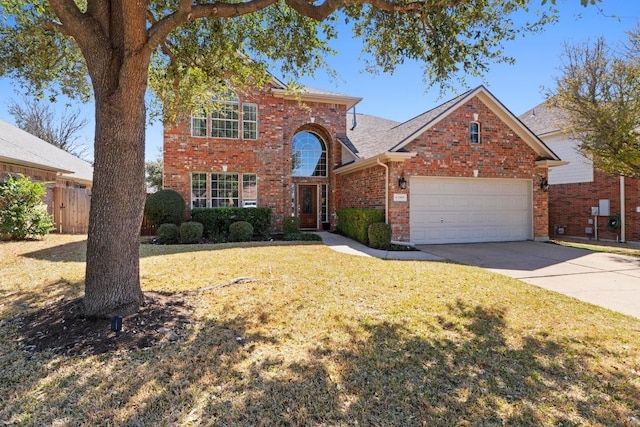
(249, 190)
(225, 120)
(224, 189)
(199, 190)
(249, 121)
(230, 119)
(474, 132)
(198, 123)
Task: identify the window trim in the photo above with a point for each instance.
(474, 134)
(239, 198)
(254, 122)
(206, 124)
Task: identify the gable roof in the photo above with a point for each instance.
(22, 148)
(373, 136)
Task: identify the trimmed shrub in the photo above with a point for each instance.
(379, 235)
(354, 223)
(216, 221)
(164, 207)
(168, 234)
(310, 237)
(22, 213)
(291, 224)
(191, 232)
(240, 231)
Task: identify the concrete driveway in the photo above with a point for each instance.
(608, 280)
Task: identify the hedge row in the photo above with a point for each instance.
(354, 223)
(216, 221)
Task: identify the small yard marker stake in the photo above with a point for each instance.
(116, 325)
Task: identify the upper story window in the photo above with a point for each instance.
(308, 155)
(226, 120)
(199, 124)
(249, 121)
(474, 132)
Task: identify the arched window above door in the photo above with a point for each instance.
(308, 155)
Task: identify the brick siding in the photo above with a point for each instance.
(445, 150)
(269, 156)
(570, 207)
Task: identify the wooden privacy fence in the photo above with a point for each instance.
(71, 209)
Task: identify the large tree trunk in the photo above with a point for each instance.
(112, 283)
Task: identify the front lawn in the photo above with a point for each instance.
(301, 335)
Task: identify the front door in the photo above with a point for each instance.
(308, 206)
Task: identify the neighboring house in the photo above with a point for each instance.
(465, 171)
(23, 153)
(575, 189)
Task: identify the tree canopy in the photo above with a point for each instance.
(598, 94)
(187, 51)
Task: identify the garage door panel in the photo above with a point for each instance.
(461, 210)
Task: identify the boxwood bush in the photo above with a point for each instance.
(240, 231)
(164, 207)
(354, 223)
(216, 221)
(190, 232)
(168, 234)
(291, 224)
(379, 235)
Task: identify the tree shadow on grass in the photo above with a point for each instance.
(233, 373)
(76, 251)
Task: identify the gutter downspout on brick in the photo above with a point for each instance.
(623, 237)
(386, 191)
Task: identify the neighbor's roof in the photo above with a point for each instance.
(22, 148)
(373, 136)
(543, 119)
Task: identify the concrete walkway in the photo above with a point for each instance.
(348, 246)
(608, 280)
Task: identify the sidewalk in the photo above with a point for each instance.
(345, 245)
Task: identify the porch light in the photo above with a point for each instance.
(402, 183)
(544, 184)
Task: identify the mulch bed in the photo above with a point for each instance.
(62, 328)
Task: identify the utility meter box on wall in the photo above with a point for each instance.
(604, 207)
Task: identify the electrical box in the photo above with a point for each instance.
(590, 221)
(604, 207)
(588, 230)
(594, 210)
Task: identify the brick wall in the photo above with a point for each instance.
(269, 157)
(445, 150)
(570, 207)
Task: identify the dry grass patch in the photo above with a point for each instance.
(321, 338)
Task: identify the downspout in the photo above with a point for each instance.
(386, 191)
(622, 208)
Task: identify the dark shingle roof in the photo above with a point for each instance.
(543, 119)
(374, 135)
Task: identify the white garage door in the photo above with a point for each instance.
(466, 210)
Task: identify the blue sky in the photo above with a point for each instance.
(403, 95)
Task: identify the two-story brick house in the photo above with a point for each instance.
(465, 171)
